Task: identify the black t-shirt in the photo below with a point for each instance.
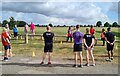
(110, 36)
(48, 37)
(88, 38)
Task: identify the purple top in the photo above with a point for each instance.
(77, 35)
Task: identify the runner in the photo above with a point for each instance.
(26, 29)
(32, 28)
(88, 46)
(69, 34)
(15, 31)
(103, 36)
(48, 48)
(110, 39)
(6, 43)
(9, 35)
(92, 31)
(77, 35)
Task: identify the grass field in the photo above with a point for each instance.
(60, 50)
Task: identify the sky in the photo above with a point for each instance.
(60, 13)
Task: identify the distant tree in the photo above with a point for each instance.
(99, 24)
(21, 23)
(11, 23)
(64, 25)
(4, 23)
(107, 24)
(115, 24)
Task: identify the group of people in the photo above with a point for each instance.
(79, 38)
(26, 29)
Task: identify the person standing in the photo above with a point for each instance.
(103, 36)
(15, 31)
(88, 46)
(48, 48)
(92, 31)
(6, 43)
(78, 36)
(26, 29)
(32, 28)
(110, 40)
(69, 34)
(9, 37)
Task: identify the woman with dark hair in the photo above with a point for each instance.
(69, 34)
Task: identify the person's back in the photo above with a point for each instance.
(48, 36)
(3, 37)
(77, 35)
(110, 36)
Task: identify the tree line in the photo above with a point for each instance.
(13, 22)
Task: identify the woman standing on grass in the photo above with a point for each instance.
(88, 46)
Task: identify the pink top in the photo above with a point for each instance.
(32, 26)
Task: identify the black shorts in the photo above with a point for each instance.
(110, 47)
(7, 47)
(15, 34)
(48, 47)
(77, 47)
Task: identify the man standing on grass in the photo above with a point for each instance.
(110, 39)
(77, 35)
(48, 48)
(6, 43)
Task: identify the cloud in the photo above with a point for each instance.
(56, 12)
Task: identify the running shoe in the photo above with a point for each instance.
(87, 64)
(75, 66)
(81, 66)
(41, 63)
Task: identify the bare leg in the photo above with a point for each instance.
(87, 57)
(75, 56)
(109, 54)
(44, 56)
(92, 57)
(81, 58)
(49, 57)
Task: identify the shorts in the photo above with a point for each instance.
(7, 47)
(110, 47)
(48, 47)
(15, 34)
(77, 47)
(85, 48)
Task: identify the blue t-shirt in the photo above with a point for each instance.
(77, 35)
(15, 29)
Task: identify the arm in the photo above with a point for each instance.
(93, 42)
(85, 43)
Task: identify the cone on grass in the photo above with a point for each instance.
(33, 54)
(116, 47)
(61, 42)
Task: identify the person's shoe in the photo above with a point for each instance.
(49, 63)
(5, 59)
(109, 60)
(87, 64)
(81, 66)
(93, 64)
(42, 63)
(75, 66)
